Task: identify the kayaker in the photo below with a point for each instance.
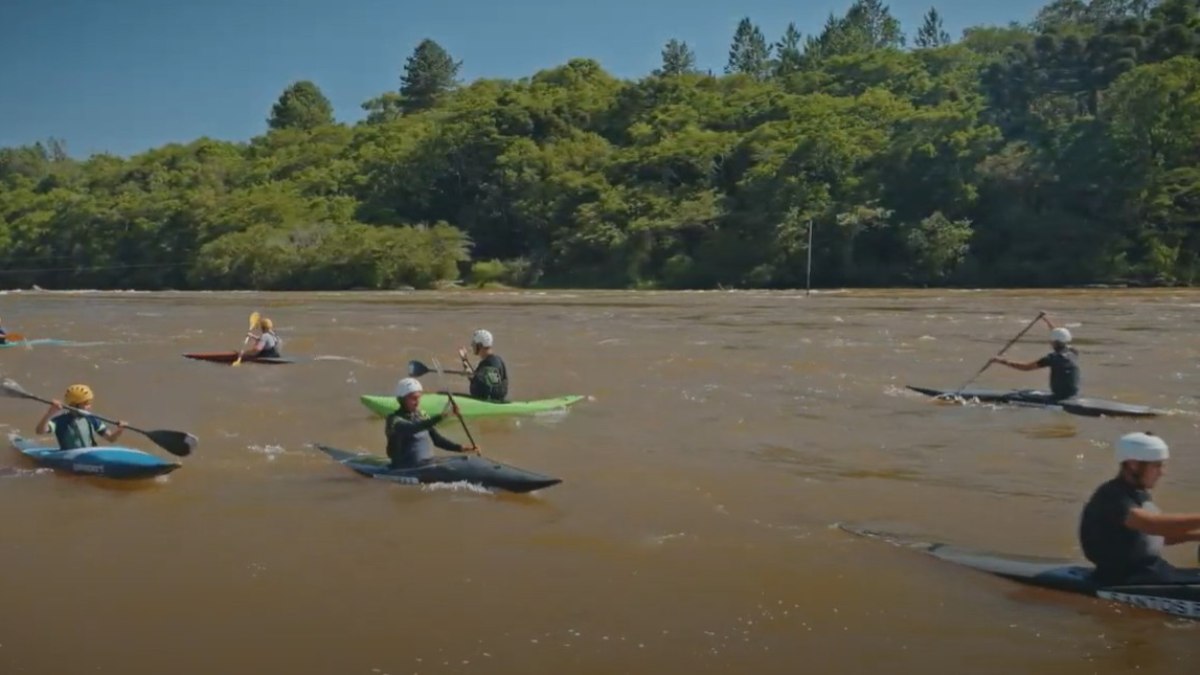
(410, 432)
(489, 378)
(1122, 532)
(1063, 363)
(268, 343)
(72, 429)
(3, 335)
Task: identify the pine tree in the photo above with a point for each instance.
(301, 106)
(931, 34)
(677, 59)
(749, 54)
(428, 74)
(788, 57)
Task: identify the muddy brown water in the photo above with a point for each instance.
(725, 436)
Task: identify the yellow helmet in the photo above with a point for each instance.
(266, 324)
(78, 394)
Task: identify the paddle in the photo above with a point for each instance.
(174, 442)
(457, 412)
(246, 342)
(1040, 316)
(417, 369)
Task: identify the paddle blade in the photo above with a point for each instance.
(11, 388)
(175, 442)
(417, 369)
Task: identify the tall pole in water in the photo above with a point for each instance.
(808, 269)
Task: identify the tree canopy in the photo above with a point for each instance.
(1065, 151)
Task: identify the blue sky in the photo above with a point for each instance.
(122, 76)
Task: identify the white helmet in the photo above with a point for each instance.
(1141, 447)
(482, 338)
(1060, 335)
(408, 386)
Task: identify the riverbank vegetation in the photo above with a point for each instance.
(1064, 151)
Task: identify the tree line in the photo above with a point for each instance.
(1062, 151)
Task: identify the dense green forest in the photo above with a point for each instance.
(1065, 151)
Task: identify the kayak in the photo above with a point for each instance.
(108, 461)
(432, 404)
(1087, 407)
(230, 357)
(452, 469)
(42, 341)
(1176, 599)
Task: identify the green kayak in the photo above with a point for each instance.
(432, 404)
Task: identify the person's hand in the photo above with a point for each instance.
(462, 353)
(56, 406)
(996, 359)
(471, 448)
(121, 424)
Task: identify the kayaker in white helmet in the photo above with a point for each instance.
(410, 432)
(1122, 532)
(489, 378)
(1063, 363)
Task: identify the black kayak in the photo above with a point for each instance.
(450, 469)
(1176, 599)
(1088, 407)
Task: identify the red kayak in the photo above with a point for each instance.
(230, 357)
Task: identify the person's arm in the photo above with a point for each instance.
(43, 425)
(403, 425)
(1017, 365)
(1180, 526)
(108, 432)
(468, 370)
(259, 345)
(446, 444)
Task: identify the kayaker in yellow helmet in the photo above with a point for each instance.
(489, 378)
(268, 343)
(76, 430)
(410, 432)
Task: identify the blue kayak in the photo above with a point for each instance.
(108, 461)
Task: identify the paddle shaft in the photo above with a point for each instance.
(458, 414)
(81, 411)
(1039, 317)
(254, 316)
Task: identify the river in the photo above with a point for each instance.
(725, 436)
